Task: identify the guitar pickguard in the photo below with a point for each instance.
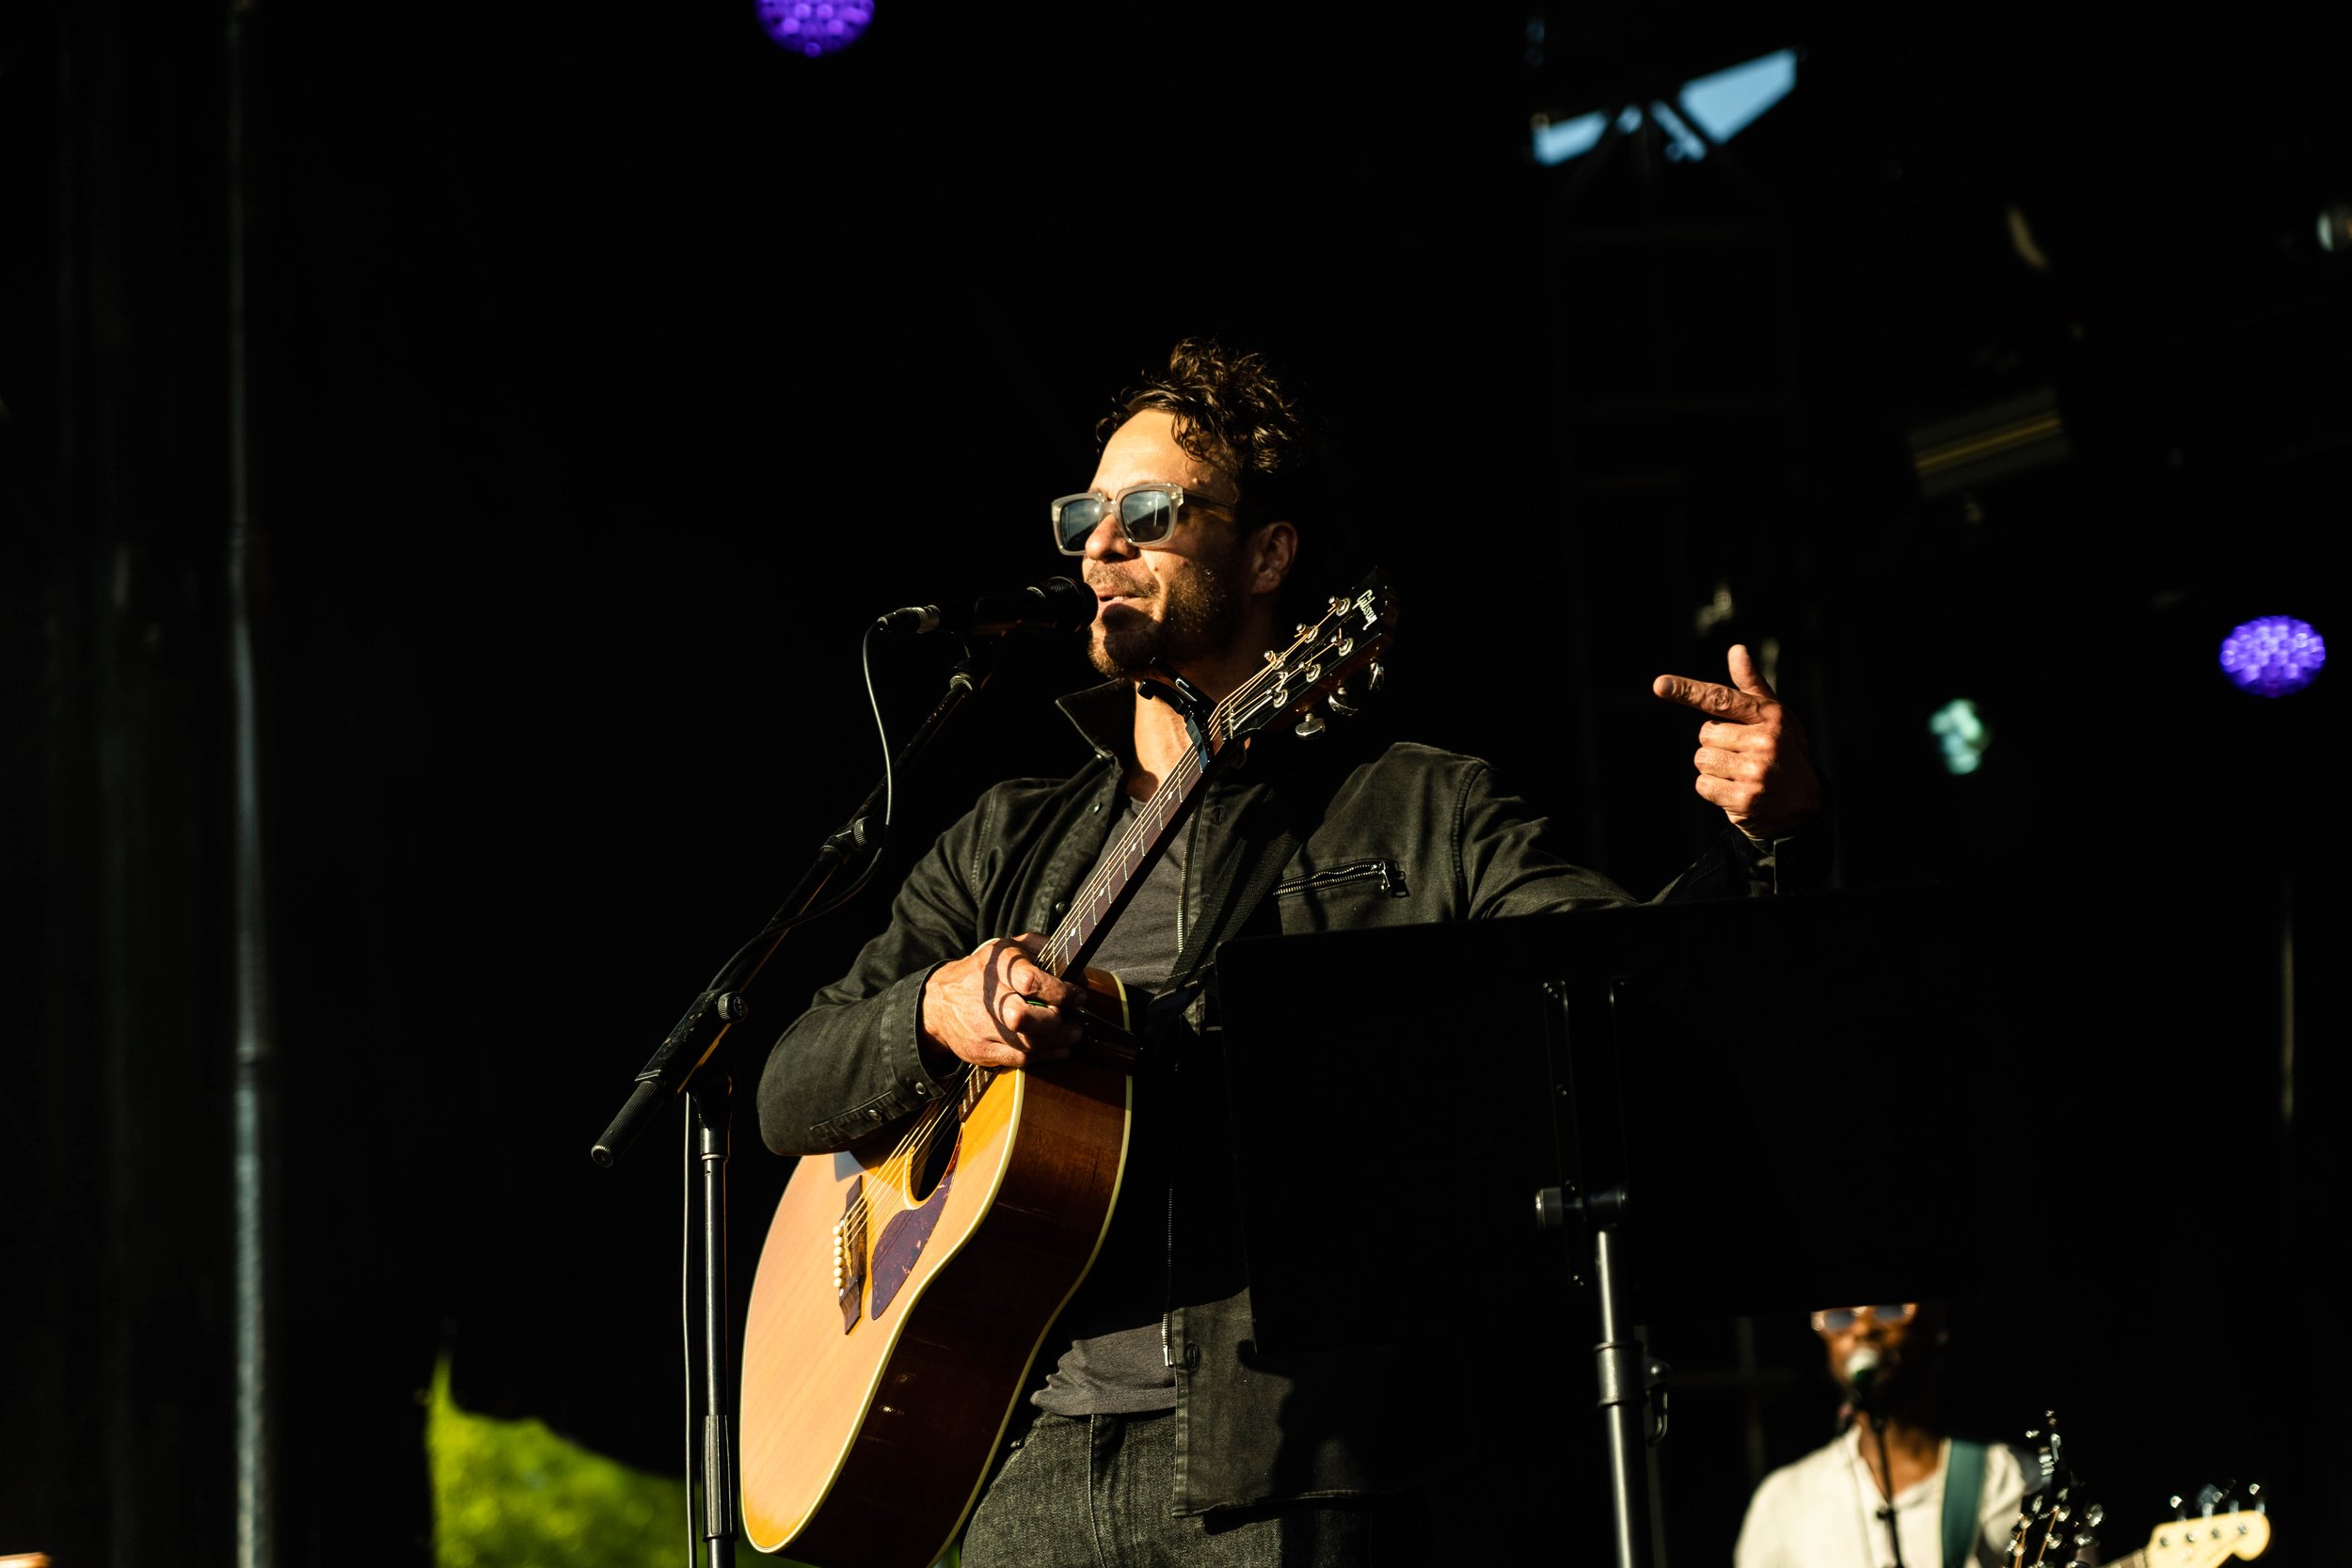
(900, 1244)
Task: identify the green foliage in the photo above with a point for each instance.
(513, 1495)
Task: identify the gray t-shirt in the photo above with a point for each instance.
(1116, 1362)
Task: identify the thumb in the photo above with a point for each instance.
(1747, 677)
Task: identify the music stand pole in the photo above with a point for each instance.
(1623, 1387)
(1590, 1185)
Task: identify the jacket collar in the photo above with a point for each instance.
(1104, 716)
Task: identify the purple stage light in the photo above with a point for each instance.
(814, 27)
(2274, 655)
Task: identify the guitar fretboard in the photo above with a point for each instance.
(1293, 679)
(1105, 892)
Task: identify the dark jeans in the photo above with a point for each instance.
(1093, 1491)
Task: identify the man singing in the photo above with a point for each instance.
(1153, 1430)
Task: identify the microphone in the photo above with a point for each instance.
(1057, 605)
(1863, 1372)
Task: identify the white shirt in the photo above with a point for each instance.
(1822, 1512)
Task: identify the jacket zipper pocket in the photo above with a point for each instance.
(1384, 872)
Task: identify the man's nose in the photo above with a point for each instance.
(1108, 542)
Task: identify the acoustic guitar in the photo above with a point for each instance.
(906, 1285)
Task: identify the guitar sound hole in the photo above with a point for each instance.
(932, 1164)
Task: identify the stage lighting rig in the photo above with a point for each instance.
(2274, 655)
(1999, 440)
(1960, 732)
(814, 27)
(1706, 111)
(2335, 228)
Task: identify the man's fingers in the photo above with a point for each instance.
(1749, 766)
(1710, 698)
(1016, 969)
(1747, 677)
(1028, 1021)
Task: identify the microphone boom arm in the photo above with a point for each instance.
(695, 1040)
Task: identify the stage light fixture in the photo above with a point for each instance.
(2273, 656)
(1726, 102)
(1960, 730)
(1720, 104)
(814, 27)
(2335, 228)
(1999, 440)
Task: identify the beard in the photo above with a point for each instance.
(1199, 615)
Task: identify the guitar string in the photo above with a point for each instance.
(915, 1146)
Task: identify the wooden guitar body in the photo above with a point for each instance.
(900, 1302)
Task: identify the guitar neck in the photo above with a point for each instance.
(1114, 881)
(1293, 681)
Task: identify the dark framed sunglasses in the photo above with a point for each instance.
(1836, 1320)
(1146, 514)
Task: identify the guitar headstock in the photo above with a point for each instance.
(1330, 665)
(2057, 1526)
(2212, 1537)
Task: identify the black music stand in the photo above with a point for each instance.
(1692, 1109)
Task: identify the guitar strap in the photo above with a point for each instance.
(1964, 1486)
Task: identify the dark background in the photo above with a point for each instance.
(610, 369)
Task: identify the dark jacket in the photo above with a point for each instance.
(1384, 835)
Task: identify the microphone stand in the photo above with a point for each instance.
(690, 1063)
(1886, 1482)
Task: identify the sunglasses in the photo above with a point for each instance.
(1146, 514)
(1836, 1320)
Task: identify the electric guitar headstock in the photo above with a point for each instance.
(2215, 1535)
(2057, 1527)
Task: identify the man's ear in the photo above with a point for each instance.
(1272, 550)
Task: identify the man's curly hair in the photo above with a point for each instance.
(1231, 412)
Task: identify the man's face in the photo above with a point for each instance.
(1883, 1329)
(1182, 598)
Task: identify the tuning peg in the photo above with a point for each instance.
(2176, 1503)
(1377, 677)
(2254, 1495)
(1339, 704)
(2094, 1515)
(1311, 723)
